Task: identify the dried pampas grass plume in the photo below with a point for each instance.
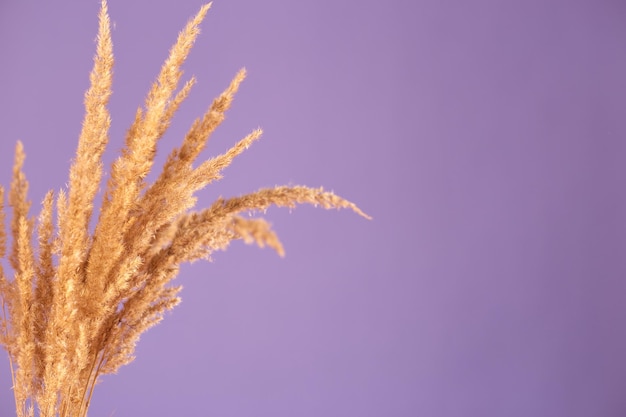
(78, 301)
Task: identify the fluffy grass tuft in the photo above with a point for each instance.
(78, 301)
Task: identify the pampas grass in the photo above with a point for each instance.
(78, 301)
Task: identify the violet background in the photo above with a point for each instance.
(486, 138)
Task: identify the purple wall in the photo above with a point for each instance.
(486, 138)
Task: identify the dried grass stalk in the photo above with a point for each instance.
(79, 301)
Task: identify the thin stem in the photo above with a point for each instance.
(93, 384)
(87, 383)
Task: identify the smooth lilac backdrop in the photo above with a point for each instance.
(486, 138)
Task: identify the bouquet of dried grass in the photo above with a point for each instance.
(78, 300)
